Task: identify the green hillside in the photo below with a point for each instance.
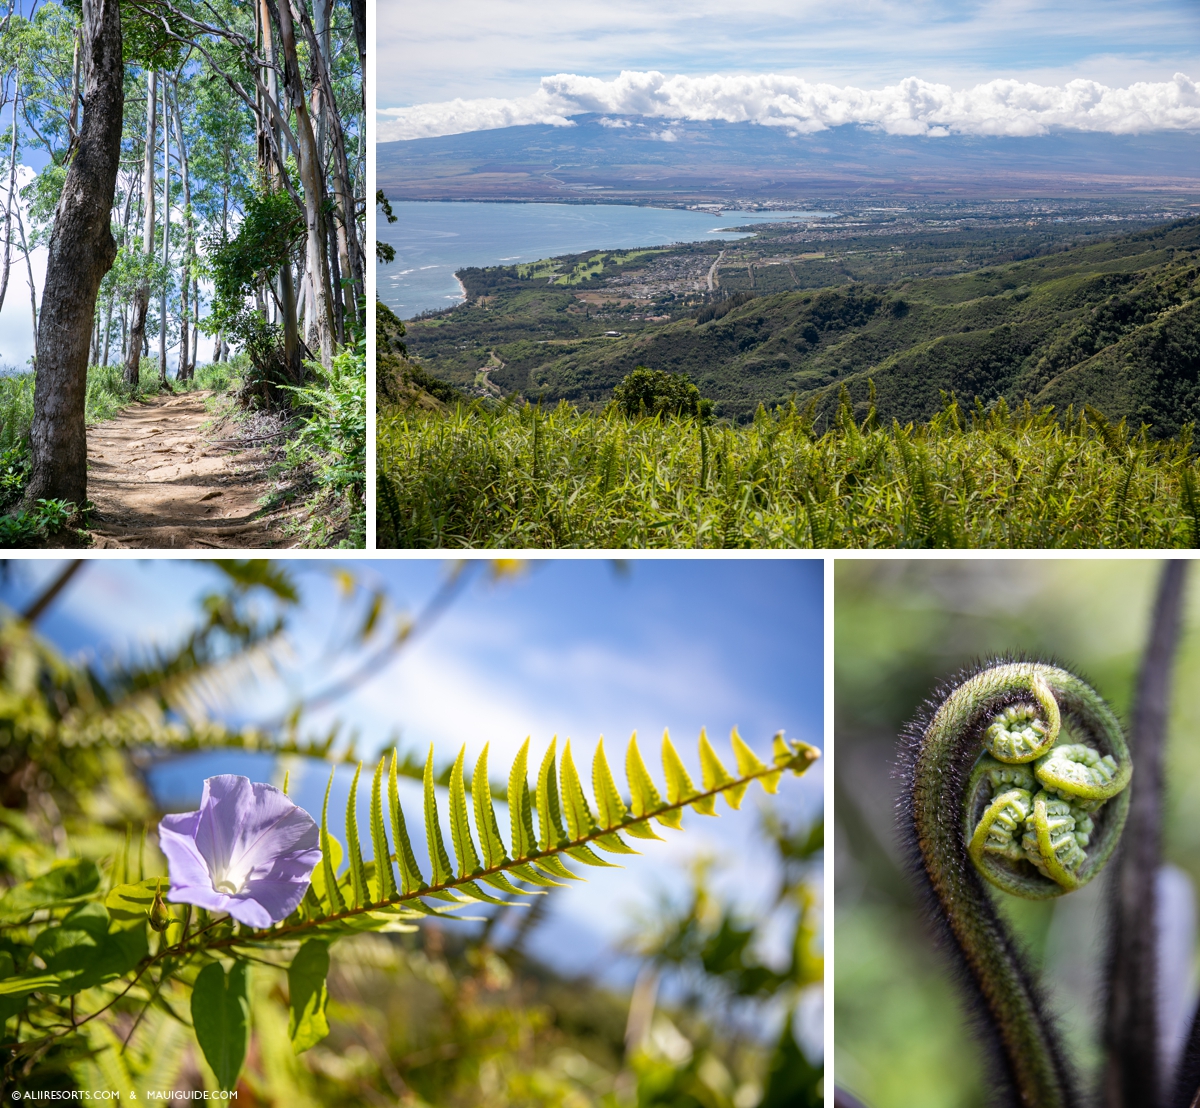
(1111, 323)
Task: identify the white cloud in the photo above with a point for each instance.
(910, 107)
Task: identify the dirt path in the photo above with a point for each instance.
(157, 483)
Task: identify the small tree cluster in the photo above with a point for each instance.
(651, 392)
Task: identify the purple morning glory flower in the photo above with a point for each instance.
(248, 851)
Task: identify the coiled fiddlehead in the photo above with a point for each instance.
(1017, 775)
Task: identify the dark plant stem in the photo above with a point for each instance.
(34, 612)
(1133, 1071)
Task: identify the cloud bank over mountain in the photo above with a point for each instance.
(910, 107)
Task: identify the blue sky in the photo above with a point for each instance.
(501, 48)
(575, 649)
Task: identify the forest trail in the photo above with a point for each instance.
(157, 483)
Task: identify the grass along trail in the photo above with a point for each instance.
(165, 473)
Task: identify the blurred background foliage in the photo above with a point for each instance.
(901, 628)
(446, 1015)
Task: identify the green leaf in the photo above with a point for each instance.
(520, 808)
(528, 873)
(794, 755)
(714, 775)
(679, 784)
(781, 754)
(61, 884)
(221, 1018)
(331, 895)
(358, 875)
(332, 851)
(438, 860)
(26, 983)
(746, 763)
(129, 905)
(385, 879)
(476, 893)
(580, 821)
(494, 852)
(308, 993)
(643, 796)
(549, 813)
(553, 864)
(589, 857)
(12, 1003)
(460, 827)
(410, 873)
(83, 953)
(609, 805)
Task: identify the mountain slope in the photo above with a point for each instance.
(1112, 324)
(648, 158)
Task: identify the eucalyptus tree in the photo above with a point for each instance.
(141, 304)
(81, 251)
(221, 103)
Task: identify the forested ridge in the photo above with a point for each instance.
(1111, 324)
(201, 189)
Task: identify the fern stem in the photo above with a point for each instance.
(944, 749)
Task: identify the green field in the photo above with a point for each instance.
(472, 477)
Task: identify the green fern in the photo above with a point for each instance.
(367, 896)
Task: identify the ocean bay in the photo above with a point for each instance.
(432, 239)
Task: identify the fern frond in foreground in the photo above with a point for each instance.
(248, 892)
(999, 478)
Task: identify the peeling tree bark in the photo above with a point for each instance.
(187, 369)
(312, 179)
(8, 203)
(141, 303)
(81, 252)
(166, 243)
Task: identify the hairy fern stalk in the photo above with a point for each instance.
(1017, 776)
(367, 896)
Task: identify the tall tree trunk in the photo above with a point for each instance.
(195, 330)
(166, 244)
(348, 252)
(81, 252)
(186, 368)
(112, 296)
(358, 12)
(29, 280)
(73, 120)
(311, 179)
(108, 325)
(8, 202)
(287, 290)
(141, 300)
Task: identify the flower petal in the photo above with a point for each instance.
(249, 834)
